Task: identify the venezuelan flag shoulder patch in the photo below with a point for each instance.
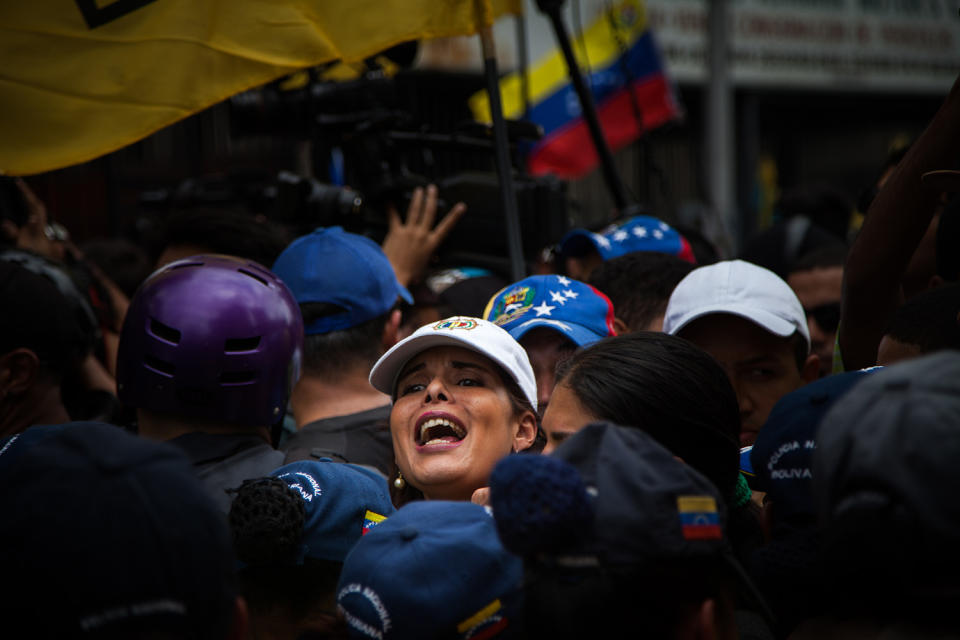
(699, 518)
(484, 624)
(370, 520)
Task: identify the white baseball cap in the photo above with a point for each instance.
(739, 288)
(475, 334)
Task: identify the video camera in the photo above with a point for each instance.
(365, 134)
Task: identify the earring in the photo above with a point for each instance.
(399, 482)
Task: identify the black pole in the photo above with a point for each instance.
(508, 195)
(617, 190)
(523, 62)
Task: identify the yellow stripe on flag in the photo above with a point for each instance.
(600, 44)
(82, 78)
(479, 616)
(374, 517)
(696, 504)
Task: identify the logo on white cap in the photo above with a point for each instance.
(453, 324)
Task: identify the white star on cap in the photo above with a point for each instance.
(570, 294)
(602, 241)
(621, 235)
(640, 232)
(664, 226)
(564, 281)
(658, 234)
(543, 309)
(557, 296)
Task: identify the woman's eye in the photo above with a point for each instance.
(411, 388)
(470, 382)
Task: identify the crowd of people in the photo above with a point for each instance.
(322, 437)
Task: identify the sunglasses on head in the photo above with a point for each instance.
(826, 315)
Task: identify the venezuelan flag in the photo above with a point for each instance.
(699, 518)
(628, 82)
(370, 520)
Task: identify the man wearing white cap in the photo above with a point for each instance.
(752, 323)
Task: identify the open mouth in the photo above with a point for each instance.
(440, 430)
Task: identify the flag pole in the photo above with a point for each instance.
(508, 195)
(610, 175)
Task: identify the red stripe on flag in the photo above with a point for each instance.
(569, 151)
(702, 532)
(492, 630)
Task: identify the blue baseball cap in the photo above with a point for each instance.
(342, 503)
(782, 456)
(640, 233)
(435, 569)
(571, 308)
(336, 267)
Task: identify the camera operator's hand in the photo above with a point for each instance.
(410, 244)
(35, 235)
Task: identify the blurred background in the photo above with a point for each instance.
(810, 96)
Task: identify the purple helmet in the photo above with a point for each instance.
(211, 337)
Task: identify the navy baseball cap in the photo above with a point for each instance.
(640, 233)
(117, 531)
(782, 456)
(625, 501)
(342, 503)
(336, 267)
(434, 569)
(571, 308)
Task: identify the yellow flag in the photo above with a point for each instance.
(81, 78)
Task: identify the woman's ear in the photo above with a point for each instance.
(526, 432)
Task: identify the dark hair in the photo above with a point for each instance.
(670, 389)
(834, 255)
(267, 522)
(929, 320)
(328, 354)
(825, 206)
(225, 231)
(704, 250)
(639, 284)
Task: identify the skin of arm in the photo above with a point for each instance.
(896, 222)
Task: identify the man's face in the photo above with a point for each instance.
(820, 291)
(761, 366)
(546, 348)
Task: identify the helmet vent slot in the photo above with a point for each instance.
(234, 345)
(238, 377)
(164, 332)
(255, 276)
(159, 366)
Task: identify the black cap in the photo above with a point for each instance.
(108, 534)
(886, 474)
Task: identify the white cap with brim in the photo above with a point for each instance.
(474, 334)
(741, 289)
